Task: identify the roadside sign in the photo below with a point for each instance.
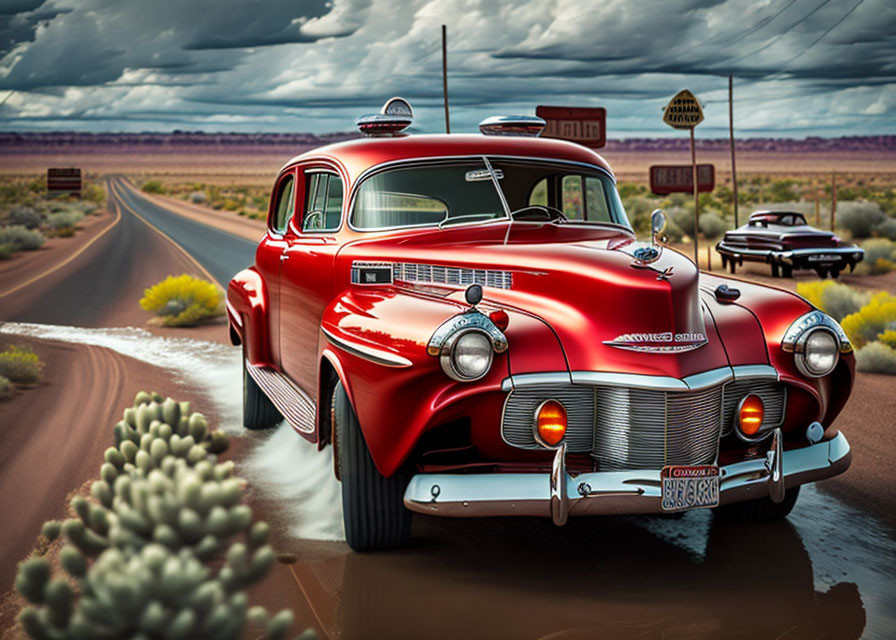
(67, 179)
(679, 178)
(584, 125)
(683, 111)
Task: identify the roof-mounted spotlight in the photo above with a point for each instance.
(512, 126)
(395, 116)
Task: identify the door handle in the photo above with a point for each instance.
(284, 256)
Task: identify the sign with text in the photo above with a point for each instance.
(678, 178)
(584, 125)
(68, 179)
(684, 111)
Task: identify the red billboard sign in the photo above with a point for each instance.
(679, 178)
(68, 179)
(584, 125)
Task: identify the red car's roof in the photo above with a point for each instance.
(359, 155)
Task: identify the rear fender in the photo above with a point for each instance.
(247, 306)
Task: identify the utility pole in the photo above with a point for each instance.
(731, 134)
(833, 198)
(445, 76)
(696, 196)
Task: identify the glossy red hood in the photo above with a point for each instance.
(591, 290)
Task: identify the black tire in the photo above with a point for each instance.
(258, 410)
(372, 506)
(762, 509)
(731, 266)
(786, 271)
(822, 273)
(776, 271)
(835, 273)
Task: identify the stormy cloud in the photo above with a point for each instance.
(801, 67)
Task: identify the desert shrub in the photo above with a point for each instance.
(6, 250)
(876, 317)
(153, 186)
(163, 548)
(21, 237)
(859, 218)
(888, 337)
(92, 192)
(876, 357)
(20, 364)
(835, 299)
(183, 300)
(198, 197)
(712, 225)
(64, 219)
(27, 217)
(886, 229)
(6, 388)
(880, 256)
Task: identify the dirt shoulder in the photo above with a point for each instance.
(223, 220)
(82, 394)
(27, 266)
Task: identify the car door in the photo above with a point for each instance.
(270, 253)
(306, 272)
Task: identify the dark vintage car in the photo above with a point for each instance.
(471, 323)
(784, 240)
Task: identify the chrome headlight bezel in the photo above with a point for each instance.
(447, 356)
(797, 335)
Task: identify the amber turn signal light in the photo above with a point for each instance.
(550, 423)
(749, 414)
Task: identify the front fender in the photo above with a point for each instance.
(247, 307)
(376, 340)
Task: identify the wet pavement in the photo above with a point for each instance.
(829, 571)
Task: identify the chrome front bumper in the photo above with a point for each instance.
(559, 494)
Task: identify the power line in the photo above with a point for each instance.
(780, 35)
(819, 38)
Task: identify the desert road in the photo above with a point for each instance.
(826, 572)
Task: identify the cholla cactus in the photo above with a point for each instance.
(137, 550)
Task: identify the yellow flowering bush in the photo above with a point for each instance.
(20, 364)
(183, 301)
(875, 318)
(835, 299)
(888, 338)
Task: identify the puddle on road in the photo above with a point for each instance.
(829, 570)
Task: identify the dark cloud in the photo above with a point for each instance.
(317, 64)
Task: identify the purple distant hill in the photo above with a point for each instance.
(10, 141)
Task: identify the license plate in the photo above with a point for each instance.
(824, 257)
(690, 487)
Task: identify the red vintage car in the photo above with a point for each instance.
(784, 240)
(470, 321)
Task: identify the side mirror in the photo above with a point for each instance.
(657, 222)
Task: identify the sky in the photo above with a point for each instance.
(801, 67)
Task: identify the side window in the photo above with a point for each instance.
(323, 203)
(596, 200)
(539, 195)
(573, 200)
(284, 204)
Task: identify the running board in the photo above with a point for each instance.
(292, 402)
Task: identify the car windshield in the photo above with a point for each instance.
(464, 192)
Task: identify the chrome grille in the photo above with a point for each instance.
(519, 414)
(412, 272)
(647, 429)
(626, 428)
(773, 401)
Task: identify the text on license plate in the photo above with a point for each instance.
(824, 257)
(690, 487)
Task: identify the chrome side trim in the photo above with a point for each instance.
(709, 378)
(293, 403)
(378, 356)
(744, 371)
(612, 492)
(461, 276)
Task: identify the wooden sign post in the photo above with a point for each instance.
(685, 112)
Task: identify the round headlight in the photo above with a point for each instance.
(820, 353)
(469, 356)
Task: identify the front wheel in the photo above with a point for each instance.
(258, 410)
(760, 509)
(372, 505)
